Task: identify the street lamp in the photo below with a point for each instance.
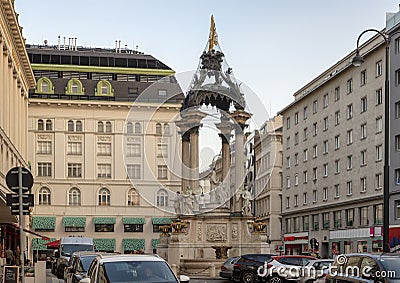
(357, 62)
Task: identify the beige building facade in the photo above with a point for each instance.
(333, 159)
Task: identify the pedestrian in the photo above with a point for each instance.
(18, 256)
(9, 256)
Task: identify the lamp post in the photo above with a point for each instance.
(357, 62)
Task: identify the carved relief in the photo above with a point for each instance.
(74, 138)
(199, 232)
(234, 231)
(104, 138)
(216, 232)
(44, 137)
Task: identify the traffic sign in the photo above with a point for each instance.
(12, 179)
(13, 200)
(15, 210)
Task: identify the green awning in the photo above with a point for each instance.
(154, 243)
(39, 244)
(133, 244)
(74, 221)
(104, 220)
(104, 244)
(43, 222)
(160, 221)
(132, 220)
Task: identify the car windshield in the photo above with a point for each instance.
(69, 249)
(85, 262)
(392, 266)
(128, 271)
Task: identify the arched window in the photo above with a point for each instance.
(49, 125)
(162, 198)
(104, 197)
(74, 196)
(44, 196)
(70, 126)
(129, 128)
(158, 129)
(74, 86)
(40, 125)
(108, 127)
(104, 87)
(78, 126)
(133, 197)
(138, 128)
(44, 85)
(100, 127)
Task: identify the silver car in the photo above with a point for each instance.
(315, 271)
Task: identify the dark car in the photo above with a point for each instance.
(245, 268)
(227, 268)
(363, 268)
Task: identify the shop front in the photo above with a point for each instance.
(296, 243)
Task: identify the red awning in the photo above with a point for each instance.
(54, 244)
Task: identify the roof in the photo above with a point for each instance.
(130, 257)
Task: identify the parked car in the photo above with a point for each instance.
(315, 271)
(131, 268)
(227, 268)
(78, 265)
(363, 267)
(285, 268)
(245, 268)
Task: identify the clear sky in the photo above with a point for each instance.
(274, 47)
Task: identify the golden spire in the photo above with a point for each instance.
(213, 38)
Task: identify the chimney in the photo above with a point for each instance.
(75, 43)
(116, 46)
(69, 43)
(126, 48)
(59, 39)
(64, 42)
(119, 46)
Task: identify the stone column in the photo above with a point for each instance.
(194, 158)
(185, 160)
(226, 158)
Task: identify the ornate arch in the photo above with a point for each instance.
(45, 86)
(104, 88)
(74, 86)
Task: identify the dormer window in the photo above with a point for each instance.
(44, 86)
(74, 86)
(104, 87)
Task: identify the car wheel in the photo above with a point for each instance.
(248, 277)
(276, 279)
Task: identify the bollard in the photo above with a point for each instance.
(212, 270)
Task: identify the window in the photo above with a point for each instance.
(337, 93)
(363, 104)
(349, 188)
(75, 170)
(288, 123)
(350, 217)
(305, 177)
(397, 77)
(158, 129)
(379, 68)
(363, 184)
(337, 219)
(325, 146)
(397, 45)
(296, 138)
(79, 126)
(315, 151)
(378, 96)
(397, 203)
(133, 171)
(45, 86)
(296, 159)
(397, 110)
(337, 191)
(49, 125)
(379, 125)
(162, 148)
(349, 85)
(133, 147)
(315, 219)
(379, 152)
(349, 137)
(129, 128)
(40, 125)
(305, 132)
(104, 171)
(100, 127)
(44, 196)
(104, 148)
(162, 172)
(287, 202)
(132, 90)
(104, 227)
(162, 92)
(305, 223)
(133, 198)
(363, 77)
(337, 166)
(315, 173)
(305, 113)
(337, 118)
(288, 162)
(296, 179)
(74, 196)
(325, 194)
(349, 162)
(133, 227)
(296, 200)
(314, 196)
(108, 127)
(364, 216)
(378, 214)
(349, 111)
(296, 118)
(74, 86)
(104, 197)
(288, 182)
(74, 148)
(288, 142)
(315, 106)
(162, 198)
(363, 157)
(305, 153)
(44, 169)
(364, 131)
(397, 142)
(288, 225)
(325, 166)
(44, 147)
(325, 123)
(71, 126)
(325, 220)
(138, 128)
(315, 129)
(296, 224)
(304, 198)
(337, 142)
(378, 181)
(326, 100)
(397, 176)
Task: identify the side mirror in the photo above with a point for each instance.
(182, 278)
(85, 280)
